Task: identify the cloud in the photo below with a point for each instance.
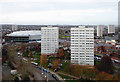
(64, 16)
(59, 1)
(58, 11)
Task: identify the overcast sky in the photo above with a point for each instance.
(81, 12)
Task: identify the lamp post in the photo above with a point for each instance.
(42, 71)
(47, 76)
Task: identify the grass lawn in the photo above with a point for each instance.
(97, 62)
(25, 55)
(52, 58)
(70, 79)
(73, 81)
(98, 54)
(64, 65)
(60, 36)
(35, 61)
(36, 56)
(51, 69)
(32, 51)
(39, 53)
(38, 62)
(65, 77)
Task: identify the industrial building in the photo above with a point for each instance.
(82, 45)
(24, 36)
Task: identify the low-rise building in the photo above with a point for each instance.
(23, 36)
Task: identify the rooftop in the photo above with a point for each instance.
(102, 44)
(25, 33)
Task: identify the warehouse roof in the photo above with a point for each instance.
(25, 33)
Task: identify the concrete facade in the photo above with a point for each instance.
(49, 40)
(82, 45)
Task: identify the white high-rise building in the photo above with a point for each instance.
(111, 29)
(0, 34)
(82, 45)
(100, 29)
(49, 40)
(14, 27)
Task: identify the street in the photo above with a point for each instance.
(26, 66)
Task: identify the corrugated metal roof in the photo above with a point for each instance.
(25, 33)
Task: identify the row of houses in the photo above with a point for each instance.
(107, 47)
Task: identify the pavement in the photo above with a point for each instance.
(6, 75)
(39, 75)
(23, 66)
(61, 80)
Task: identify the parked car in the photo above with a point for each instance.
(44, 69)
(47, 71)
(37, 66)
(40, 67)
(34, 63)
(54, 76)
(13, 72)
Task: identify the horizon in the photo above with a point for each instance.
(59, 24)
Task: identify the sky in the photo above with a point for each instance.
(72, 12)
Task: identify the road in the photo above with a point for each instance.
(27, 66)
(6, 73)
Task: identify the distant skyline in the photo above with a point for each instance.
(69, 12)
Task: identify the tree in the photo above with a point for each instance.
(69, 68)
(67, 54)
(16, 79)
(103, 76)
(113, 54)
(11, 54)
(91, 73)
(55, 63)
(43, 60)
(78, 70)
(4, 54)
(103, 49)
(117, 75)
(23, 47)
(105, 65)
(60, 53)
(26, 78)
